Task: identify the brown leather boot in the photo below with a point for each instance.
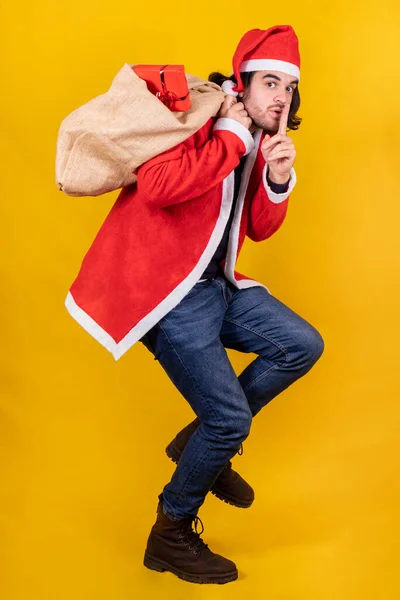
(229, 485)
(174, 546)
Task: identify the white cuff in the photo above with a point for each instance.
(240, 130)
(273, 196)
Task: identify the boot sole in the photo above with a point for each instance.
(155, 564)
(174, 455)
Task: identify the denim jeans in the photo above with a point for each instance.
(190, 344)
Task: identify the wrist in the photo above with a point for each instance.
(275, 178)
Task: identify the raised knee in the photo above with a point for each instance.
(238, 428)
(245, 425)
(313, 344)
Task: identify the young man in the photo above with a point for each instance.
(231, 179)
(162, 270)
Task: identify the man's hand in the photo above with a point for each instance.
(279, 152)
(232, 109)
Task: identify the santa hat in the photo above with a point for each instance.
(275, 49)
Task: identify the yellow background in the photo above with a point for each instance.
(82, 436)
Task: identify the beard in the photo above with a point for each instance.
(268, 124)
(259, 119)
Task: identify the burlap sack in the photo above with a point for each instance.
(101, 143)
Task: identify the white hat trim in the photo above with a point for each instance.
(269, 64)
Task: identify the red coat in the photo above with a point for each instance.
(162, 232)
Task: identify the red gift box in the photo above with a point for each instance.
(168, 83)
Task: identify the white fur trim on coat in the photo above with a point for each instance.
(273, 196)
(240, 130)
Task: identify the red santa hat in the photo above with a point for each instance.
(275, 49)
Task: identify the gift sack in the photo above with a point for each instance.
(101, 143)
(168, 83)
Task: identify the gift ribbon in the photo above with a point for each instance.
(167, 97)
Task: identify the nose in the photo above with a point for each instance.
(280, 98)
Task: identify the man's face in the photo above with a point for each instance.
(268, 93)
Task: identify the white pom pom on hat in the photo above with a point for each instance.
(275, 49)
(227, 87)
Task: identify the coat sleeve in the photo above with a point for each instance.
(182, 174)
(268, 209)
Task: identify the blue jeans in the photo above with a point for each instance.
(189, 343)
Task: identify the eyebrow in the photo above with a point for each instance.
(278, 78)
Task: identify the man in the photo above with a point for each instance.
(225, 309)
(162, 270)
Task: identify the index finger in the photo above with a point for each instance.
(284, 120)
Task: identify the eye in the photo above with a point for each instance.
(270, 83)
(291, 88)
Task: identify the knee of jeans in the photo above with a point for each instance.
(238, 428)
(313, 344)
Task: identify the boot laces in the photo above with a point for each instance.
(192, 538)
